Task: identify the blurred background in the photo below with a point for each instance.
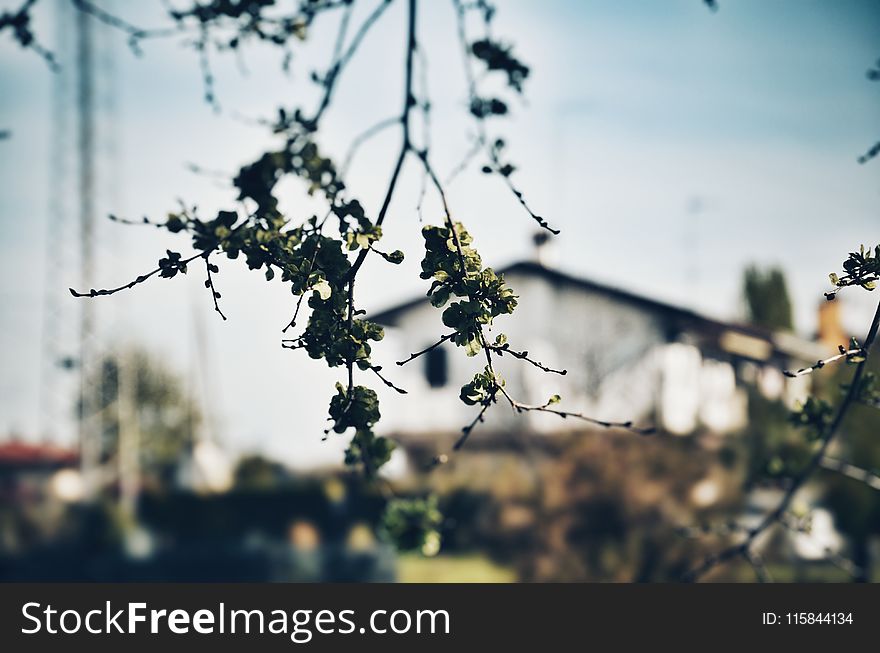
(702, 167)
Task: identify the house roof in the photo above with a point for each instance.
(18, 454)
(744, 340)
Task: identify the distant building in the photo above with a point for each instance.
(628, 357)
(26, 470)
(563, 501)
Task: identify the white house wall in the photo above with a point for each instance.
(616, 354)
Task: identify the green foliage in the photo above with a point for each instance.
(861, 268)
(855, 354)
(414, 524)
(856, 504)
(359, 409)
(485, 107)
(774, 447)
(481, 388)
(163, 413)
(318, 258)
(369, 450)
(814, 415)
(767, 298)
(170, 266)
(456, 270)
(868, 391)
(822, 422)
(257, 473)
(312, 263)
(499, 57)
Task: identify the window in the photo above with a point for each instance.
(436, 367)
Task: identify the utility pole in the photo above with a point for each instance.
(89, 427)
(129, 437)
(82, 175)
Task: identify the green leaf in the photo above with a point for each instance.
(413, 524)
(440, 297)
(395, 257)
(323, 289)
(473, 347)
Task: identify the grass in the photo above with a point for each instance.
(471, 568)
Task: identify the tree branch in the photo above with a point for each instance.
(848, 354)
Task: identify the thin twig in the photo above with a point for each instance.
(340, 60)
(299, 300)
(844, 353)
(443, 458)
(131, 284)
(406, 146)
(209, 283)
(564, 414)
(362, 138)
(135, 34)
(448, 336)
(377, 369)
(496, 166)
(849, 470)
(524, 355)
(757, 564)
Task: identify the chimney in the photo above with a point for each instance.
(544, 251)
(831, 333)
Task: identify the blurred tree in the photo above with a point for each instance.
(164, 414)
(767, 299)
(257, 472)
(853, 486)
(820, 421)
(772, 447)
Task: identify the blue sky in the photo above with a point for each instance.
(635, 113)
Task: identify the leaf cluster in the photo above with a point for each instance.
(456, 270)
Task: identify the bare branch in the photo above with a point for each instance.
(442, 459)
(363, 137)
(845, 564)
(18, 22)
(844, 353)
(449, 336)
(341, 59)
(376, 369)
(867, 477)
(135, 34)
(564, 414)
(872, 152)
(524, 355)
(496, 166)
(131, 284)
(209, 283)
(757, 563)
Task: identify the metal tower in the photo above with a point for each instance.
(81, 174)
